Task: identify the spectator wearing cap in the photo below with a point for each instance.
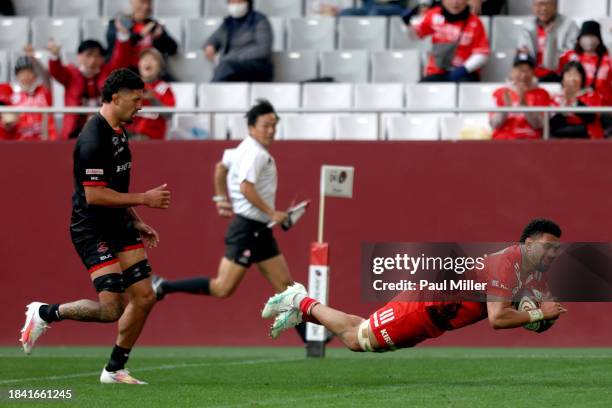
(242, 46)
(83, 83)
(145, 32)
(157, 93)
(33, 90)
(460, 43)
(522, 90)
(591, 52)
(376, 8)
(547, 37)
(576, 93)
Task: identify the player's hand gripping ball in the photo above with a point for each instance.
(528, 302)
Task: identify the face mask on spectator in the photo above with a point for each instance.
(238, 10)
(589, 43)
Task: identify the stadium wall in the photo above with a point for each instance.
(423, 192)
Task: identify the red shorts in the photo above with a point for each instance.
(402, 324)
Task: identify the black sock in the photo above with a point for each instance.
(196, 286)
(50, 313)
(119, 356)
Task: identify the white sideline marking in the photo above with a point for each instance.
(155, 368)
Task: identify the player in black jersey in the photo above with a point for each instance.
(106, 231)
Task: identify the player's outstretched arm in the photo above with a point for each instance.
(224, 206)
(503, 316)
(158, 197)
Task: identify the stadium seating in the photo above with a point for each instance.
(190, 127)
(184, 94)
(396, 66)
(362, 33)
(358, 126)
(110, 8)
(310, 126)
(345, 66)
(234, 96)
(282, 96)
(331, 97)
(399, 37)
(278, 33)
(174, 27)
(72, 8)
(311, 33)
(215, 8)
(280, 8)
(177, 8)
(4, 66)
(498, 67)
(191, 67)
(33, 8)
(519, 7)
(477, 95)
(295, 66)
(583, 7)
(95, 29)
(413, 127)
(452, 127)
(506, 29)
(431, 96)
(198, 30)
(65, 31)
(379, 96)
(312, 6)
(14, 33)
(606, 31)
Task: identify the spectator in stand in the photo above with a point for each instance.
(145, 32)
(591, 52)
(7, 120)
(33, 90)
(83, 83)
(157, 93)
(460, 43)
(576, 94)
(487, 7)
(547, 38)
(522, 90)
(242, 46)
(377, 8)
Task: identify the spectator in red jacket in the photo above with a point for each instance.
(33, 90)
(522, 90)
(7, 120)
(591, 52)
(460, 43)
(84, 82)
(576, 94)
(157, 93)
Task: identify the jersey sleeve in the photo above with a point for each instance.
(228, 158)
(92, 168)
(423, 28)
(481, 42)
(250, 167)
(500, 277)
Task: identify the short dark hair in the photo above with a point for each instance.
(577, 66)
(540, 226)
(261, 107)
(120, 79)
(90, 45)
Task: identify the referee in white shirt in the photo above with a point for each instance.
(250, 173)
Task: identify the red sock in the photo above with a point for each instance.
(306, 306)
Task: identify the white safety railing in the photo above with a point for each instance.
(379, 112)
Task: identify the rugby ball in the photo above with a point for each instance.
(527, 303)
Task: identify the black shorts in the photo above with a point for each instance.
(98, 244)
(248, 242)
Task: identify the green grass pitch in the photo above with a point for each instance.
(283, 377)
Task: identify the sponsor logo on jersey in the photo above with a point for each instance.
(102, 247)
(387, 338)
(124, 167)
(105, 257)
(99, 172)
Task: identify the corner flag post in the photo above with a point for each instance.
(336, 181)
